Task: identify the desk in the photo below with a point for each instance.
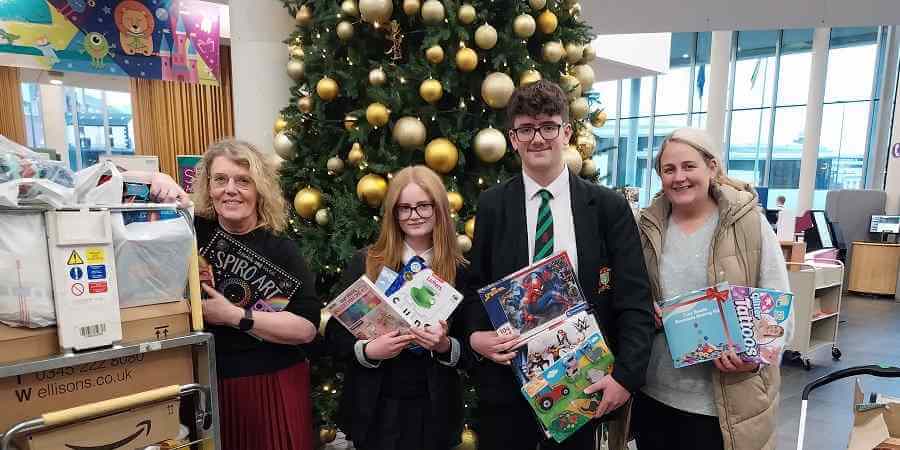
(874, 268)
(794, 252)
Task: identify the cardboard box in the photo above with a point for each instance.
(27, 396)
(140, 324)
(83, 269)
(876, 428)
(131, 429)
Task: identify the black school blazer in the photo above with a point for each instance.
(359, 408)
(607, 243)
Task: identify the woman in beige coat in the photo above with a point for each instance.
(703, 229)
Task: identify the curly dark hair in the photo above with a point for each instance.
(540, 97)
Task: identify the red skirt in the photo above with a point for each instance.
(267, 412)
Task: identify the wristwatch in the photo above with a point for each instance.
(246, 323)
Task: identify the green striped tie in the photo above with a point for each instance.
(543, 236)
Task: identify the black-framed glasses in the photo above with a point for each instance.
(423, 210)
(548, 131)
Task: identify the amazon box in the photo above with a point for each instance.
(131, 429)
(877, 428)
(28, 396)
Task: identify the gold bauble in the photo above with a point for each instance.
(572, 159)
(349, 8)
(490, 145)
(537, 5)
(376, 11)
(524, 26)
(466, 14)
(371, 189)
(296, 69)
(585, 75)
(553, 51)
(304, 16)
(411, 7)
(297, 52)
(344, 30)
(576, 13)
(307, 201)
(280, 124)
(486, 37)
(284, 146)
(435, 54)
(377, 115)
(574, 52)
(327, 434)
(356, 154)
(578, 109)
(323, 217)
(589, 53)
(327, 89)
(469, 228)
(464, 244)
(335, 165)
(433, 12)
(547, 22)
(409, 132)
(466, 59)
(598, 119)
(377, 77)
(571, 86)
(588, 168)
(350, 122)
(585, 144)
(496, 89)
(431, 90)
(529, 76)
(455, 200)
(441, 155)
(305, 104)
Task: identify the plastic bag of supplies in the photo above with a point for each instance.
(29, 177)
(26, 290)
(152, 254)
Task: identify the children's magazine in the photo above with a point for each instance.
(763, 314)
(529, 300)
(367, 313)
(557, 395)
(701, 325)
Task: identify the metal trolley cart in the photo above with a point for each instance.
(874, 370)
(206, 403)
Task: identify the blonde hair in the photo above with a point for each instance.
(388, 249)
(271, 208)
(701, 141)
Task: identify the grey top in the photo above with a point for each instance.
(682, 268)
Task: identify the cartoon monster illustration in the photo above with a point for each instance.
(135, 24)
(423, 296)
(96, 45)
(9, 37)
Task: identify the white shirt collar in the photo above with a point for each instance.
(557, 187)
(408, 254)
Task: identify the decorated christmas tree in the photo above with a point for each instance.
(384, 84)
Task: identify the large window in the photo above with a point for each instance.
(97, 123)
(34, 121)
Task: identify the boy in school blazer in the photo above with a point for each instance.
(596, 226)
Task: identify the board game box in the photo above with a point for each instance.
(559, 339)
(701, 325)
(763, 314)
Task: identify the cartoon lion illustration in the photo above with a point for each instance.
(135, 24)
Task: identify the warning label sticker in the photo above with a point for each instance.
(97, 272)
(97, 287)
(77, 289)
(94, 255)
(74, 259)
(76, 273)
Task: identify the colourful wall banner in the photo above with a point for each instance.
(156, 39)
(186, 170)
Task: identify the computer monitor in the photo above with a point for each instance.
(885, 224)
(819, 235)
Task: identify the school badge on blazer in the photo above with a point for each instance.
(603, 279)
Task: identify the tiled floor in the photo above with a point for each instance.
(869, 334)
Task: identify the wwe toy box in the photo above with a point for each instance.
(83, 269)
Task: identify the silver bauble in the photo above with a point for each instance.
(284, 146)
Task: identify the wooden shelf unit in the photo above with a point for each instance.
(817, 307)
